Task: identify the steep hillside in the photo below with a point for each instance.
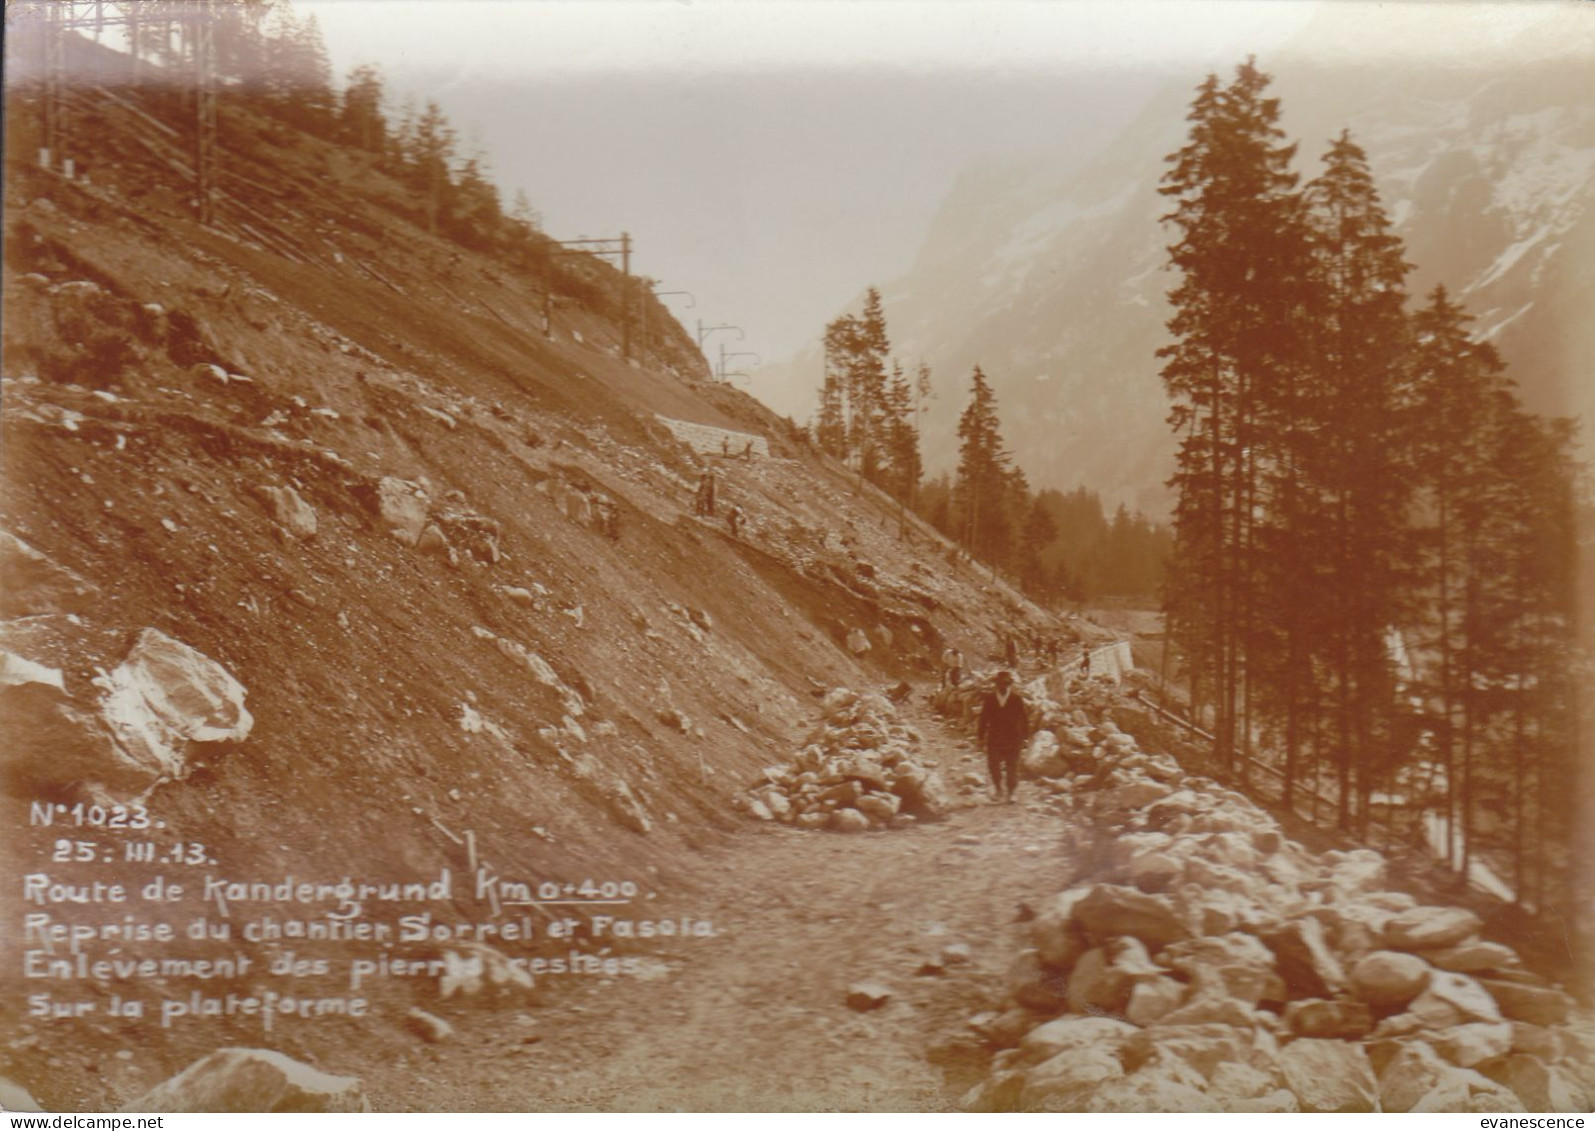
(1054, 281)
(321, 552)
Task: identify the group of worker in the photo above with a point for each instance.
(703, 503)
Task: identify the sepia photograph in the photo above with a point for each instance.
(797, 556)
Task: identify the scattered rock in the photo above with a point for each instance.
(1430, 928)
(867, 996)
(1538, 1086)
(1109, 910)
(1153, 998)
(849, 821)
(1536, 1005)
(1473, 1044)
(290, 511)
(166, 695)
(1328, 1076)
(1305, 961)
(1389, 979)
(1472, 957)
(402, 508)
(428, 1026)
(1340, 1020)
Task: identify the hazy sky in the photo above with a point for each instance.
(776, 158)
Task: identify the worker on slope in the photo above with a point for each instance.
(1002, 728)
(952, 667)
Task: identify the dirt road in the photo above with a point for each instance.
(756, 1018)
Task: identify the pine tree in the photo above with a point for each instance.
(981, 490)
(833, 431)
(901, 438)
(361, 120)
(430, 160)
(1458, 387)
(1357, 435)
(1242, 253)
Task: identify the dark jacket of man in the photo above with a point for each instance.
(1003, 727)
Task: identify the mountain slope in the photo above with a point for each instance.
(306, 553)
(1054, 282)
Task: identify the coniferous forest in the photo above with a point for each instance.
(1369, 578)
(1374, 588)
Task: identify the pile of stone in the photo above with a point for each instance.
(858, 769)
(1213, 964)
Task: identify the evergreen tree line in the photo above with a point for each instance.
(266, 51)
(1374, 538)
(1056, 547)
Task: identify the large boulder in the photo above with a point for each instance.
(1389, 979)
(1103, 978)
(1537, 1085)
(1109, 910)
(1069, 1034)
(401, 507)
(1067, 1080)
(1163, 1085)
(1466, 1092)
(1431, 928)
(1034, 985)
(1203, 1047)
(1458, 993)
(252, 1080)
(1053, 932)
(1536, 1005)
(1151, 999)
(1327, 1075)
(1409, 1075)
(1472, 957)
(1309, 967)
(1468, 1046)
(166, 695)
(290, 510)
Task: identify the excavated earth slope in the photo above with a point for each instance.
(316, 548)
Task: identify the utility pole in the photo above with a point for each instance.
(625, 293)
(206, 153)
(605, 247)
(726, 356)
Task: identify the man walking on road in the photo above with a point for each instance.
(1003, 726)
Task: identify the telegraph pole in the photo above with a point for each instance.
(605, 247)
(206, 152)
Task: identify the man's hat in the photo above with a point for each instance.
(1004, 677)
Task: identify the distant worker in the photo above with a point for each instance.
(734, 519)
(747, 453)
(1002, 728)
(703, 503)
(1010, 651)
(952, 667)
(1085, 660)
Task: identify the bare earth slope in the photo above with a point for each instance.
(333, 458)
